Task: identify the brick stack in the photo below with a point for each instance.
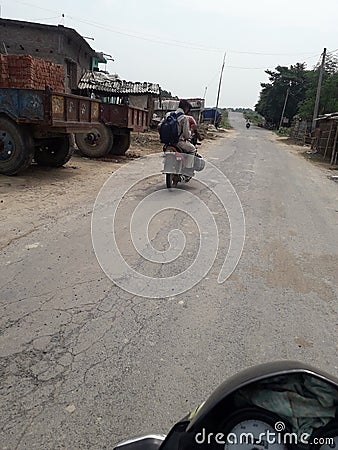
(26, 72)
(4, 75)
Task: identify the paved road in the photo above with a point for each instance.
(85, 363)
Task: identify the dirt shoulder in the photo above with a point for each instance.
(40, 195)
(304, 151)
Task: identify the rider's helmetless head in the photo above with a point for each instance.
(185, 105)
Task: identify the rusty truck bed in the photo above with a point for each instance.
(124, 116)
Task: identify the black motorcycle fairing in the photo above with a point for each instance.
(330, 430)
(251, 375)
(213, 416)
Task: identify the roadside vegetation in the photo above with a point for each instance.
(283, 131)
(298, 85)
(225, 118)
(254, 117)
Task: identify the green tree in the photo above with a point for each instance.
(328, 102)
(273, 94)
(167, 94)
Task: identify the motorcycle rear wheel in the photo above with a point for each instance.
(171, 180)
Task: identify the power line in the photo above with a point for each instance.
(35, 6)
(249, 68)
(156, 39)
(271, 54)
(49, 18)
(213, 78)
(145, 38)
(179, 43)
(153, 39)
(333, 54)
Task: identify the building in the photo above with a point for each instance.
(164, 105)
(111, 89)
(323, 138)
(326, 136)
(55, 43)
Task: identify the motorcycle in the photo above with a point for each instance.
(248, 125)
(180, 166)
(284, 405)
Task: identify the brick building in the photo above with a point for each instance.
(55, 43)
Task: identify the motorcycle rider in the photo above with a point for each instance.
(184, 133)
(184, 127)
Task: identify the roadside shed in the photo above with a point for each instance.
(326, 133)
(111, 89)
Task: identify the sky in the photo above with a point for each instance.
(180, 44)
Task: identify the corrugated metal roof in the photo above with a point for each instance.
(106, 84)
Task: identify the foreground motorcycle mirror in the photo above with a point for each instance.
(295, 396)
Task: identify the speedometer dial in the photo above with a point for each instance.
(254, 429)
(254, 435)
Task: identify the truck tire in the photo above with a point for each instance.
(53, 152)
(95, 144)
(16, 147)
(121, 144)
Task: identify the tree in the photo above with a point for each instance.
(167, 94)
(302, 94)
(329, 93)
(272, 96)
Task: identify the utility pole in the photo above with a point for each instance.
(320, 78)
(205, 92)
(285, 102)
(219, 87)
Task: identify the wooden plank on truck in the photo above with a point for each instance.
(73, 110)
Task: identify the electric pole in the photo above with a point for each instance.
(320, 78)
(285, 102)
(219, 88)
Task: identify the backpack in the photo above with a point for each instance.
(169, 129)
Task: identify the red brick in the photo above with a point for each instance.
(29, 72)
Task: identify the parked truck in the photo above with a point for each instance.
(126, 106)
(37, 117)
(113, 134)
(36, 124)
(212, 116)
